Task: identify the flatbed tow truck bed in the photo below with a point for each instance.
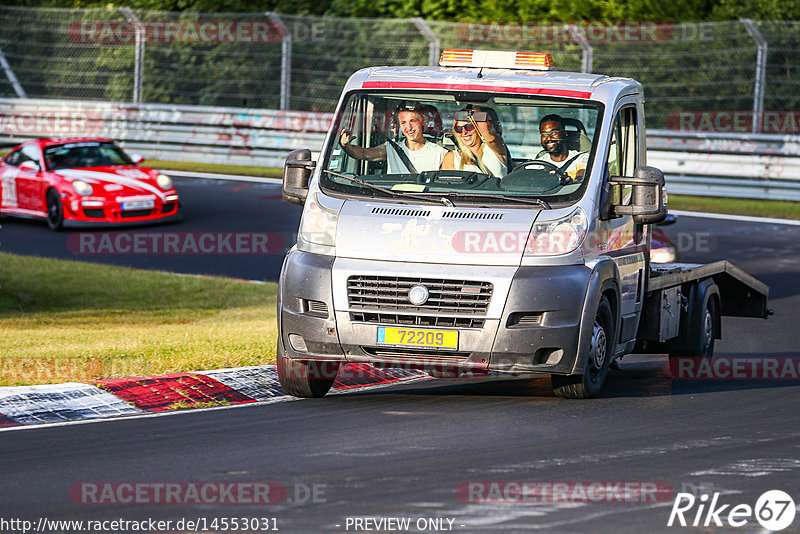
(742, 294)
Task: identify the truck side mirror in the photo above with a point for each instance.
(647, 202)
(296, 174)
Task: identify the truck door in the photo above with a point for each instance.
(626, 240)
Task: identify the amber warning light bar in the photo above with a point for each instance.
(497, 59)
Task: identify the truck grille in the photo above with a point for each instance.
(460, 297)
(416, 320)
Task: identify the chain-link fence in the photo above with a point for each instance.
(690, 72)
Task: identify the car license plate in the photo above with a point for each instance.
(138, 205)
(418, 337)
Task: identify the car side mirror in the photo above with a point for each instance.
(137, 158)
(647, 200)
(296, 174)
(29, 166)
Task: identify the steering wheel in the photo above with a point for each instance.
(535, 176)
(544, 166)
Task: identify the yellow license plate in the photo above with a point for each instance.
(418, 337)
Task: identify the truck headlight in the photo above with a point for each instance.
(319, 224)
(560, 236)
(82, 188)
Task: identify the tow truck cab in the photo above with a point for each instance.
(540, 267)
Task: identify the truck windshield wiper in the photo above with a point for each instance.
(522, 200)
(390, 192)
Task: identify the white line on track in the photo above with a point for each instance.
(233, 177)
(742, 218)
(283, 398)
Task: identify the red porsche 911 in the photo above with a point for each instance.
(82, 182)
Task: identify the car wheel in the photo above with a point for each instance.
(703, 345)
(305, 378)
(601, 352)
(55, 210)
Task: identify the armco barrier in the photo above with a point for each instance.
(237, 136)
(730, 164)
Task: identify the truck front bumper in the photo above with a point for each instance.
(532, 323)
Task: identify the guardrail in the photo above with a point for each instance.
(710, 164)
(235, 136)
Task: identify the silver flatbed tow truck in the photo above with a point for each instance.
(489, 214)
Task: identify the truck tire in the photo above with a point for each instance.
(601, 350)
(303, 378)
(703, 344)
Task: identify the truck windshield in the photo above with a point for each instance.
(472, 146)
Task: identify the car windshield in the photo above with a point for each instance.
(84, 154)
(466, 147)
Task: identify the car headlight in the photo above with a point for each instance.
(82, 188)
(319, 224)
(164, 181)
(560, 236)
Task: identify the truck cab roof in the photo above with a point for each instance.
(545, 83)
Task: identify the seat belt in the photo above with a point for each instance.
(403, 157)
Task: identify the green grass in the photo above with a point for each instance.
(69, 321)
(189, 166)
(781, 209)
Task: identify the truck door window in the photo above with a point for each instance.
(623, 156)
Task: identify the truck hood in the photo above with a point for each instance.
(433, 234)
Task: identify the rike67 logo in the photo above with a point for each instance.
(774, 510)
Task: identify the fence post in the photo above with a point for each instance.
(587, 54)
(761, 73)
(286, 60)
(434, 46)
(11, 76)
(138, 61)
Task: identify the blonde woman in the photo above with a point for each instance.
(480, 146)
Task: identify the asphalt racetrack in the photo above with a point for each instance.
(446, 455)
(221, 210)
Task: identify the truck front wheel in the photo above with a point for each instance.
(305, 378)
(601, 352)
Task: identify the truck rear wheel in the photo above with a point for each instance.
(601, 352)
(305, 378)
(703, 344)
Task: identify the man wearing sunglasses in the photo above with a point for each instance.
(480, 145)
(571, 163)
(414, 155)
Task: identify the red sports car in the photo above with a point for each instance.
(83, 182)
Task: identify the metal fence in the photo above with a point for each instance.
(276, 61)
